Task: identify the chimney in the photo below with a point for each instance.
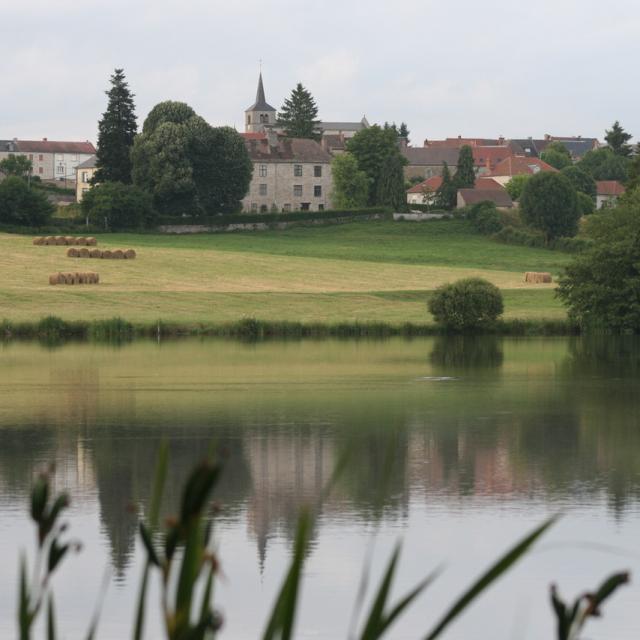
(44, 139)
(501, 140)
(547, 136)
(403, 142)
(272, 136)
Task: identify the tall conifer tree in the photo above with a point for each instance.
(448, 191)
(465, 177)
(617, 139)
(116, 131)
(298, 115)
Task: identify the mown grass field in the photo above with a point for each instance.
(359, 272)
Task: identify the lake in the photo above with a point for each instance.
(459, 447)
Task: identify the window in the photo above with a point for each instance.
(317, 171)
(304, 206)
(262, 189)
(264, 118)
(248, 119)
(286, 208)
(317, 191)
(254, 207)
(40, 158)
(85, 189)
(31, 157)
(85, 176)
(40, 170)
(61, 169)
(297, 191)
(297, 170)
(320, 207)
(262, 171)
(263, 208)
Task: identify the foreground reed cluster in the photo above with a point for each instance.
(180, 556)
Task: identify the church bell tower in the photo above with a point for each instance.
(260, 113)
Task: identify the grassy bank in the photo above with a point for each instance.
(364, 273)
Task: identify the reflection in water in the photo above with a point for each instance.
(554, 419)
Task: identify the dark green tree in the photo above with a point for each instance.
(556, 145)
(465, 177)
(617, 139)
(581, 181)
(115, 205)
(298, 115)
(549, 203)
(601, 287)
(403, 131)
(633, 181)
(372, 148)
(350, 184)
(447, 193)
(116, 132)
(19, 166)
(604, 164)
(189, 167)
(515, 186)
(391, 191)
(21, 204)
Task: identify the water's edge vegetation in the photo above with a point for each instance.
(54, 328)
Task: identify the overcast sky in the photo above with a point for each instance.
(489, 68)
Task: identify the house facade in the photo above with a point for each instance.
(84, 174)
(51, 160)
(607, 193)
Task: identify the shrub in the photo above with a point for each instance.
(485, 217)
(23, 205)
(586, 205)
(470, 303)
(118, 206)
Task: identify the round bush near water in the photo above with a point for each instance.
(470, 303)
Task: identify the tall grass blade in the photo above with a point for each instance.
(502, 565)
(142, 602)
(159, 480)
(51, 620)
(280, 625)
(188, 576)
(24, 622)
(205, 608)
(93, 627)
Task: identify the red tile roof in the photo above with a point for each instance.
(288, 150)
(488, 183)
(609, 188)
(432, 184)
(491, 155)
(52, 146)
(519, 165)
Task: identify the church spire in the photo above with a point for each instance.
(261, 113)
(261, 102)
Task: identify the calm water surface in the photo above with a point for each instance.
(482, 440)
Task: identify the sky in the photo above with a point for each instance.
(446, 68)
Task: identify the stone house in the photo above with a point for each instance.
(516, 166)
(607, 193)
(426, 162)
(424, 192)
(52, 160)
(84, 173)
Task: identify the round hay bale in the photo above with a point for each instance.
(60, 240)
(536, 277)
(95, 278)
(91, 242)
(69, 240)
(118, 254)
(81, 241)
(130, 254)
(107, 254)
(49, 240)
(72, 252)
(80, 278)
(95, 253)
(83, 252)
(38, 241)
(54, 278)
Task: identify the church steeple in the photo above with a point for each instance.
(260, 113)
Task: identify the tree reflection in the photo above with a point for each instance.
(456, 353)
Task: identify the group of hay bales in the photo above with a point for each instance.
(74, 278)
(537, 277)
(107, 254)
(64, 241)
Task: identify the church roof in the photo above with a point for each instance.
(261, 103)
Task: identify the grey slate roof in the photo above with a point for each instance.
(260, 104)
(499, 197)
(344, 126)
(299, 150)
(89, 163)
(430, 156)
(7, 145)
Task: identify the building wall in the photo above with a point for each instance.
(83, 181)
(42, 162)
(64, 165)
(605, 201)
(280, 180)
(255, 121)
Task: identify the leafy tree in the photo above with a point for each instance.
(549, 203)
(601, 286)
(556, 145)
(350, 185)
(298, 115)
(634, 171)
(465, 177)
(19, 166)
(604, 164)
(580, 180)
(116, 132)
(467, 304)
(617, 139)
(372, 147)
(189, 167)
(21, 204)
(403, 131)
(555, 158)
(115, 205)
(447, 193)
(586, 204)
(515, 186)
(391, 191)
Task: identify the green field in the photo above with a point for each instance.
(359, 272)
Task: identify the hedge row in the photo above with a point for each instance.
(250, 218)
(528, 238)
